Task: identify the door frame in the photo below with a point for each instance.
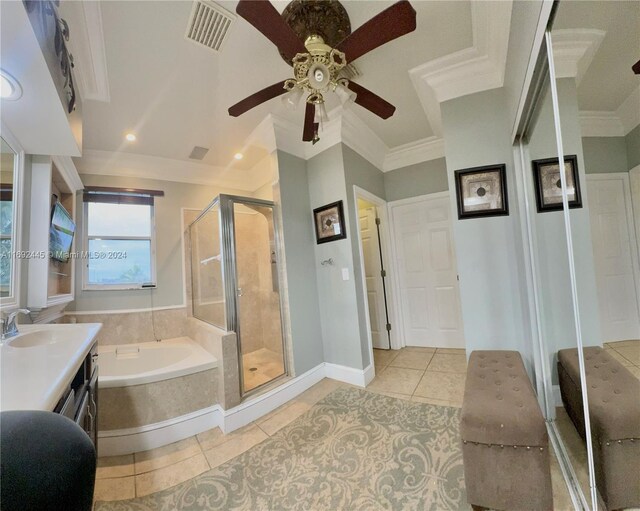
(385, 239)
(631, 224)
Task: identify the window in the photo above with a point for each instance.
(119, 238)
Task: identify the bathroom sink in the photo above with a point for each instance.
(37, 338)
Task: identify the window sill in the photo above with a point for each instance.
(119, 287)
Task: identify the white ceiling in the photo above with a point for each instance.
(174, 94)
(609, 80)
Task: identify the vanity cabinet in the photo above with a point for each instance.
(50, 282)
(79, 401)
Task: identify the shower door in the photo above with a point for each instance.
(253, 305)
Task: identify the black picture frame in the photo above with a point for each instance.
(333, 213)
(492, 176)
(546, 202)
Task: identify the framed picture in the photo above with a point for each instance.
(482, 191)
(329, 222)
(546, 177)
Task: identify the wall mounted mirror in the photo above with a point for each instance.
(10, 168)
(595, 45)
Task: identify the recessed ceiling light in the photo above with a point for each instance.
(238, 156)
(9, 87)
(130, 137)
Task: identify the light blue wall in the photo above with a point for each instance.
(605, 154)
(337, 297)
(359, 172)
(633, 147)
(297, 234)
(488, 250)
(414, 180)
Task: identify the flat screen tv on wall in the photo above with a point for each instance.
(61, 233)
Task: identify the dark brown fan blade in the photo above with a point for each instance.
(393, 22)
(372, 102)
(309, 126)
(636, 68)
(264, 16)
(256, 99)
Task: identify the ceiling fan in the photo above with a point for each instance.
(314, 36)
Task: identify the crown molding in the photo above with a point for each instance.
(629, 111)
(600, 124)
(86, 43)
(475, 69)
(573, 51)
(612, 124)
(430, 148)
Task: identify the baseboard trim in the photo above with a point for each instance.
(127, 441)
(348, 374)
(249, 411)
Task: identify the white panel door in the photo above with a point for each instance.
(427, 277)
(373, 277)
(611, 235)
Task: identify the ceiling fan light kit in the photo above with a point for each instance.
(319, 63)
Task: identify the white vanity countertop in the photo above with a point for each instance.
(35, 377)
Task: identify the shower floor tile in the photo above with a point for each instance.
(266, 365)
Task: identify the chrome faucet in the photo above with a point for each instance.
(8, 322)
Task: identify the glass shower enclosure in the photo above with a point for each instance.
(235, 283)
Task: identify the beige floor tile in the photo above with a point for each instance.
(412, 359)
(235, 446)
(435, 401)
(169, 476)
(383, 358)
(397, 380)
(618, 357)
(635, 371)
(452, 351)
(631, 353)
(418, 349)
(115, 466)
(118, 488)
(448, 363)
(561, 497)
(215, 437)
(319, 391)
(622, 344)
(285, 416)
(168, 455)
(445, 386)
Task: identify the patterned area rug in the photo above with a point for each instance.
(354, 450)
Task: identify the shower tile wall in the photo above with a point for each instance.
(260, 300)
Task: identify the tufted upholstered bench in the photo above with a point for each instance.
(505, 446)
(614, 411)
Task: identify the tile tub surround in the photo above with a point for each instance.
(134, 327)
(224, 347)
(140, 405)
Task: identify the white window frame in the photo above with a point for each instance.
(87, 286)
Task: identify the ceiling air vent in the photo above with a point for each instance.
(198, 152)
(209, 24)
